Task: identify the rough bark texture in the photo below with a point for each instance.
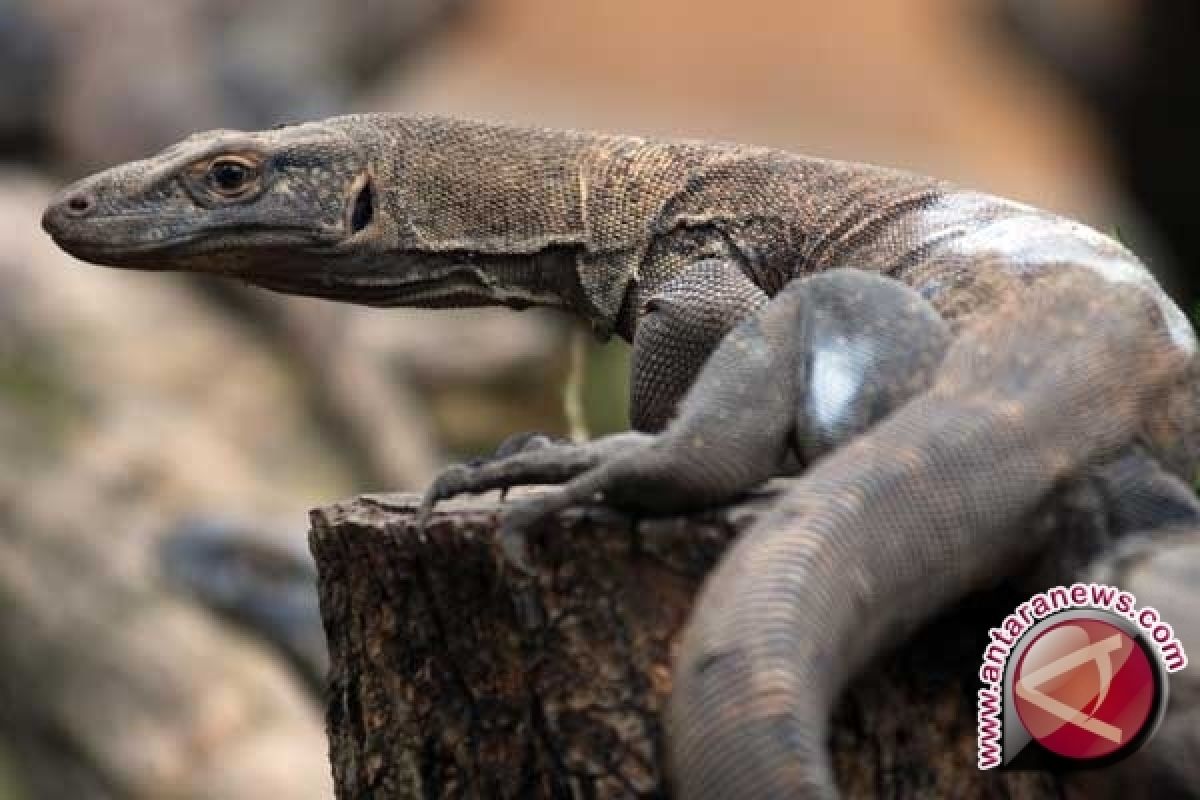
(454, 676)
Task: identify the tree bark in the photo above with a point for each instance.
(454, 675)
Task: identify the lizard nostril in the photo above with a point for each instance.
(79, 204)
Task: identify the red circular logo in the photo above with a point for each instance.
(1085, 688)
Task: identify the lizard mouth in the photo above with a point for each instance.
(155, 241)
(94, 242)
(177, 251)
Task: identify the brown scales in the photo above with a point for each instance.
(1065, 354)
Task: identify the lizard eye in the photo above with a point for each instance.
(231, 177)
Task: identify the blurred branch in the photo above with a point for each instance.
(573, 411)
(113, 688)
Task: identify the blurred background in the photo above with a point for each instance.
(162, 437)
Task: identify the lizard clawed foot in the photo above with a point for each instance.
(520, 517)
(537, 461)
(450, 482)
(524, 443)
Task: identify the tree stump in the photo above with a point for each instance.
(454, 675)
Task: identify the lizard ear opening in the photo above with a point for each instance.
(364, 206)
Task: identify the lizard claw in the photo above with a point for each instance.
(450, 482)
(514, 547)
(425, 511)
(521, 517)
(524, 460)
(513, 534)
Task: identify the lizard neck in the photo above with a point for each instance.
(468, 213)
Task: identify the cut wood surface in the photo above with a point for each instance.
(454, 675)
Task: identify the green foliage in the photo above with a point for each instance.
(36, 392)
(9, 786)
(38, 403)
(606, 387)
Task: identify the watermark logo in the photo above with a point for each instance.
(1075, 677)
(1085, 688)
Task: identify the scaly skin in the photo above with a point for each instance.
(1064, 352)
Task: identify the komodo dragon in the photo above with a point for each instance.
(1062, 353)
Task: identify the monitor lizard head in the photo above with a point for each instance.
(373, 209)
(222, 201)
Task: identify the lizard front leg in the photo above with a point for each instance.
(679, 327)
(823, 361)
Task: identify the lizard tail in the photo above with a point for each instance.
(892, 528)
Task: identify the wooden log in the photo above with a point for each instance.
(456, 676)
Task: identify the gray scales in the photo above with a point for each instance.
(996, 354)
